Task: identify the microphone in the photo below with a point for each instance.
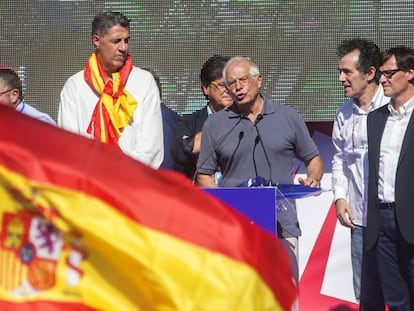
(260, 140)
(256, 141)
(219, 143)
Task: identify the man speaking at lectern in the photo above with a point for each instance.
(257, 137)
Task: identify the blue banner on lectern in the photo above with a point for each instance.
(284, 191)
(257, 204)
(293, 191)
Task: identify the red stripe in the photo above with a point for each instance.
(161, 200)
(44, 306)
(312, 278)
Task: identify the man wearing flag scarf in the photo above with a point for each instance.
(110, 99)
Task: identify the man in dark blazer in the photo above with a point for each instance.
(186, 147)
(390, 219)
(170, 121)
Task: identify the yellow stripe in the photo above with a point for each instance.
(131, 267)
(103, 137)
(97, 83)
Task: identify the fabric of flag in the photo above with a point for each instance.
(84, 227)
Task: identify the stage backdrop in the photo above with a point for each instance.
(293, 43)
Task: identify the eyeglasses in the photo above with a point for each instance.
(242, 81)
(387, 73)
(4, 92)
(221, 86)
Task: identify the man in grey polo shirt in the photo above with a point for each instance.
(257, 137)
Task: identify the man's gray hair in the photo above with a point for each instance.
(254, 70)
(106, 20)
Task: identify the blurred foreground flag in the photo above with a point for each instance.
(84, 227)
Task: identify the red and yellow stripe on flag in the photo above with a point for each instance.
(83, 227)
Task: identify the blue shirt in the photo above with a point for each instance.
(31, 111)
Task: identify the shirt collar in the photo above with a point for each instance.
(405, 109)
(20, 107)
(209, 112)
(268, 108)
(375, 103)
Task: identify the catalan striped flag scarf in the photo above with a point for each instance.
(116, 105)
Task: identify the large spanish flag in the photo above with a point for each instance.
(84, 227)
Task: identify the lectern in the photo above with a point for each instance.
(257, 204)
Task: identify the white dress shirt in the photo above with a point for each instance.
(31, 111)
(350, 162)
(391, 143)
(142, 139)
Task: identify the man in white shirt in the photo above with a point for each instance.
(390, 230)
(358, 65)
(110, 99)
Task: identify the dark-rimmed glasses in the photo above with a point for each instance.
(387, 73)
(4, 92)
(221, 86)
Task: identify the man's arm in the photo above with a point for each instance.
(143, 138)
(344, 213)
(67, 108)
(185, 142)
(340, 182)
(206, 181)
(314, 170)
(197, 143)
(207, 162)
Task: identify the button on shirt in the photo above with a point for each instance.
(350, 162)
(391, 143)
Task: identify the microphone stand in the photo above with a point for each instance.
(241, 135)
(256, 141)
(259, 138)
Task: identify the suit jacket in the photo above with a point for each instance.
(404, 189)
(170, 121)
(189, 125)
